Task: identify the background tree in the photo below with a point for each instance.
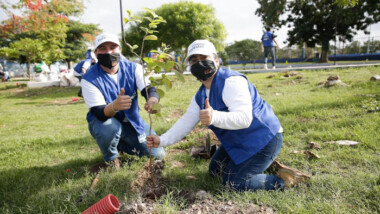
(78, 36)
(244, 50)
(26, 49)
(318, 22)
(44, 24)
(185, 22)
(373, 46)
(354, 47)
(270, 11)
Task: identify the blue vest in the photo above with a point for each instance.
(243, 143)
(78, 67)
(267, 39)
(110, 90)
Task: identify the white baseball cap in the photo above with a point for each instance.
(203, 47)
(106, 37)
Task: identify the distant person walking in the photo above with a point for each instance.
(267, 46)
(4, 75)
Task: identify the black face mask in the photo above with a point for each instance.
(198, 69)
(108, 59)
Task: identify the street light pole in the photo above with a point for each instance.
(336, 29)
(121, 21)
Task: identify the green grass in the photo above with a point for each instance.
(47, 150)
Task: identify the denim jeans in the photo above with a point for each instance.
(272, 52)
(112, 135)
(248, 175)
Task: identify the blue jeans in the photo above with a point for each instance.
(248, 175)
(272, 52)
(112, 135)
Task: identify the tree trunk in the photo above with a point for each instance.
(325, 51)
(30, 76)
(69, 64)
(324, 56)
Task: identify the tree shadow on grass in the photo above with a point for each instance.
(20, 186)
(39, 93)
(23, 186)
(51, 186)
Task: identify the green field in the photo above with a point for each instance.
(47, 150)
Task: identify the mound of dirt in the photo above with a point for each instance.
(202, 203)
(150, 187)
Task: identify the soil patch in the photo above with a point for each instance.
(151, 188)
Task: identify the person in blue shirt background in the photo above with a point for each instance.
(83, 66)
(268, 47)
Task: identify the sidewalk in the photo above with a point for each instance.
(294, 67)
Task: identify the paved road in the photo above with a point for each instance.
(292, 67)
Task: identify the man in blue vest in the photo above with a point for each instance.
(249, 131)
(83, 66)
(267, 46)
(110, 92)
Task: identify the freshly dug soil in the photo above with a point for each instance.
(150, 187)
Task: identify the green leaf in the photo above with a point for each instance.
(150, 37)
(179, 76)
(148, 18)
(157, 69)
(135, 47)
(153, 31)
(167, 83)
(129, 13)
(169, 66)
(148, 60)
(152, 25)
(151, 12)
(160, 92)
(126, 20)
(129, 46)
(156, 107)
(144, 29)
(161, 56)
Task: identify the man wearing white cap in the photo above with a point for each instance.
(249, 131)
(110, 92)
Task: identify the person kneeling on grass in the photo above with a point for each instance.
(249, 131)
(110, 91)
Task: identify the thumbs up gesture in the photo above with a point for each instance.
(122, 102)
(205, 115)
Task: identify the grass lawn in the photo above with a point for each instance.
(47, 150)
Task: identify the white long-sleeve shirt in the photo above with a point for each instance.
(237, 98)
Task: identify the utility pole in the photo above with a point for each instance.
(336, 29)
(369, 39)
(121, 21)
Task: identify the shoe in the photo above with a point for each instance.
(273, 67)
(265, 66)
(290, 176)
(113, 166)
